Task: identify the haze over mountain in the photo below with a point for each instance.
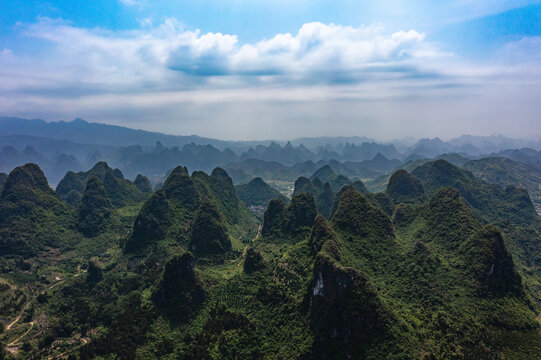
(304, 180)
(160, 244)
(81, 131)
(42, 134)
(361, 158)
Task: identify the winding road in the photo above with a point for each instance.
(14, 342)
(11, 346)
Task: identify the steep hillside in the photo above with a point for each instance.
(505, 172)
(403, 187)
(3, 179)
(510, 208)
(258, 193)
(32, 215)
(121, 191)
(327, 175)
(425, 270)
(199, 212)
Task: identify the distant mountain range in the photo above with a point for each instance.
(81, 131)
(78, 145)
(470, 145)
(55, 166)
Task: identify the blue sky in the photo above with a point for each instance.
(244, 69)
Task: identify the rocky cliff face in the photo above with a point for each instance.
(490, 264)
(345, 313)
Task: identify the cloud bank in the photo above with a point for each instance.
(321, 53)
(169, 78)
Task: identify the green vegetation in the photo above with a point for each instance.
(327, 175)
(493, 268)
(404, 188)
(122, 192)
(143, 184)
(95, 209)
(3, 179)
(324, 174)
(356, 215)
(180, 290)
(346, 313)
(94, 273)
(180, 188)
(32, 216)
(509, 208)
(190, 273)
(208, 233)
(254, 261)
(289, 223)
(74, 198)
(258, 193)
(151, 224)
(505, 172)
(326, 197)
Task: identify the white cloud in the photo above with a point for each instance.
(168, 56)
(527, 49)
(7, 56)
(329, 48)
(328, 76)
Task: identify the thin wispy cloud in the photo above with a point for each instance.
(131, 2)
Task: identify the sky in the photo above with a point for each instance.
(253, 70)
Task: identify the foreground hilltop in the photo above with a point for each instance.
(440, 265)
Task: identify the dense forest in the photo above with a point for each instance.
(440, 264)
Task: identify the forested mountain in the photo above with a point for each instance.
(32, 215)
(469, 145)
(258, 193)
(524, 155)
(440, 265)
(120, 190)
(58, 147)
(505, 172)
(3, 178)
(441, 261)
(39, 133)
(243, 171)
